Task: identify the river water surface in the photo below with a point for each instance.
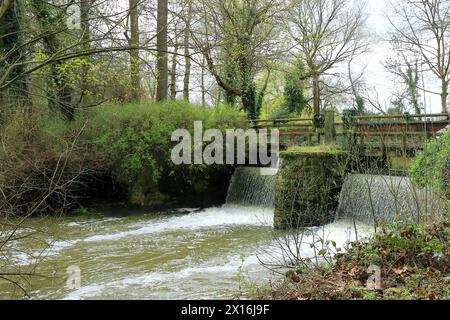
(199, 255)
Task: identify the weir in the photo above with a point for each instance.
(249, 188)
(312, 188)
(377, 199)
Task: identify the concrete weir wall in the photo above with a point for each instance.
(308, 186)
(313, 188)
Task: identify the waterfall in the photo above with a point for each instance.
(368, 198)
(249, 187)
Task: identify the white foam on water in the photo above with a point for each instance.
(182, 278)
(213, 217)
(307, 243)
(220, 270)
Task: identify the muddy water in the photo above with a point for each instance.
(205, 254)
(199, 255)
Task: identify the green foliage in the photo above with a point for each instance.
(130, 143)
(85, 212)
(404, 244)
(295, 100)
(360, 104)
(432, 166)
(135, 143)
(252, 100)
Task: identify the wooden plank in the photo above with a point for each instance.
(398, 133)
(402, 116)
(434, 127)
(288, 125)
(281, 120)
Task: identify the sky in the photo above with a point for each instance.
(376, 74)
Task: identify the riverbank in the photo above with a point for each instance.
(114, 152)
(401, 261)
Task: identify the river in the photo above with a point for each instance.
(203, 254)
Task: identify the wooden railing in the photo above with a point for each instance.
(288, 127)
(404, 133)
(405, 128)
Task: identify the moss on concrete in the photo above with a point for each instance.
(308, 186)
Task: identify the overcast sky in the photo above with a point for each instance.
(376, 75)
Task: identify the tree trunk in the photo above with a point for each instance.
(187, 70)
(86, 38)
(59, 92)
(173, 71)
(316, 93)
(161, 47)
(134, 52)
(444, 96)
(249, 101)
(10, 29)
(203, 83)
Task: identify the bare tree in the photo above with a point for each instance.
(406, 69)
(186, 44)
(327, 32)
(423, 28)
(134, 52)
(161, 46)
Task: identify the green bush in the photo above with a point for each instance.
(128, 145)
(135, 144)
(432, 166)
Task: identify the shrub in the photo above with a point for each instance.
(42, 171)
(432, 166)
(129, 145)
(134, 142)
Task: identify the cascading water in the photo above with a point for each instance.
(248, 187)
(370, 198)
